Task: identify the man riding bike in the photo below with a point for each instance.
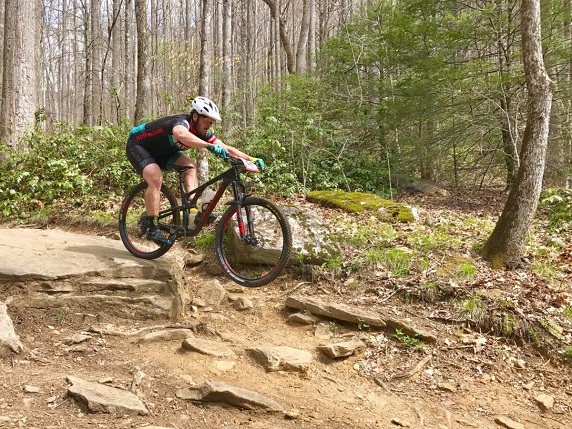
(158, 145)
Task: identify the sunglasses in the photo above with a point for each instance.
(206, 118)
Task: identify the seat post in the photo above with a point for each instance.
(180, 171)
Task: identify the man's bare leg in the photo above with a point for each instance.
(153, 175)
(190, 176)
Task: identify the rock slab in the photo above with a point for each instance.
(104, 399)
(9, 341)
(216, 391)
(90, 274)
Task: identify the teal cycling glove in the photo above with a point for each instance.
(217, 150)
(259, 162)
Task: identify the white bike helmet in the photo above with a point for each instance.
(204, 106)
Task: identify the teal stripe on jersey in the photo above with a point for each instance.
(137, 129)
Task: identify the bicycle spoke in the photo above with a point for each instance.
(134, 223)
(257, 257)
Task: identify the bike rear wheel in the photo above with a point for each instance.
(133, 221)
(259, 257)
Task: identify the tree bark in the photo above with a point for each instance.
(312, 36)
(505, 246)
(20, 86)
(204, 82)
(227, 58)
(2, 9)
(142, 102)
(130, 63)
(88, 82)
(302, 49)
(286, 45)
(96, 67)
(505, 39)
(116, 62)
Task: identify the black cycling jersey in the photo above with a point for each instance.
(153, 142)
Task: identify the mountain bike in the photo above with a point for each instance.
(253, 239)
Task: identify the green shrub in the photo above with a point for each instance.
(298, 133)
(559, 203)
(406, 340)
(65, 170)
(467, 270)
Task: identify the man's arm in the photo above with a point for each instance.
(188, 139)
(232, 150)
(185, 137)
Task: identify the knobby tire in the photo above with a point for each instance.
(262, 256)
(132, 228)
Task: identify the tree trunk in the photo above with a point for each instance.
(312, 36)
(505, 246)
(227, 58)
(505, 40)
(96, 67)
(2, 9)
(116, 62)
(88, 82)
(286, 45)
(302, 49)
(142, 101)
(508, 142)
(244, 8)
(20, 86)
(205, 60)
(128, 70)
(277, 63)
(204, 82)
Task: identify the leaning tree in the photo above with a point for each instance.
(505, 245)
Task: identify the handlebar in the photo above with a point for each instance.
(245, 163)
(233, 160)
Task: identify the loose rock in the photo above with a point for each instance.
(283, 358)
(207, 347)
(214, 391)
(507, 422)
(544, 401)
(103, 399)
(343, 349)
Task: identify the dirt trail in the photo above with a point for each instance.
(457, 388)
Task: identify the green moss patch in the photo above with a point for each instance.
(356, 202)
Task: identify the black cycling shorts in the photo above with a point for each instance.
(140, 157)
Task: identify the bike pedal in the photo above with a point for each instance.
(210, 220)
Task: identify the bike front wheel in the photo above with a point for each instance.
(253, 244)
(134, 223)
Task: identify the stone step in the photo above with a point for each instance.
(106, 286)
(88, 274)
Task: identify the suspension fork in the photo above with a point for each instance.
(239, 196)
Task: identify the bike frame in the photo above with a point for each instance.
(230, 177)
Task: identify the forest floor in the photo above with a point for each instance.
(500, 358)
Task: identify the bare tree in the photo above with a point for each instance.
(506, 243)
(227, 56)
(20, 86)
(88, 80)
(116, 61)
(92, 66)
(2, 8)
(312, 36)
(204, 80)
(302, 49)
(130, 61)
(284, 38)
(276, 51)
(505, 35)
(142, 109)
